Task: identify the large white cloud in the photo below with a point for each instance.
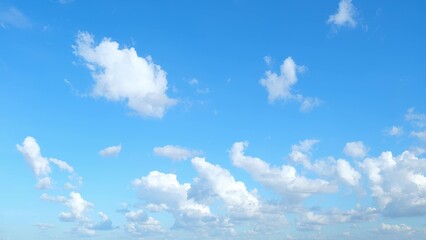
(279, 87)
(284, 180)
(121, 75)
(398, 183)
(216, 181)
(345, 15)
(175, 152)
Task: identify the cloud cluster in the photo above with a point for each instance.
(122, 75)
(397, 183)
(78, 208)
(279, 86)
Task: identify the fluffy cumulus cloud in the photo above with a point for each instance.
(112, 151)
(164, 191)
(284, 180)
(176, 153)
(279, 86)
(345, 15)
(355, 149)
(121, 75)
(213, 181)
(397, 183)
(347, 173)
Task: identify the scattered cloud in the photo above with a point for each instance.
(397, 183)
(268, 60)
(112, 151)
(163, 189)
(62, 165)
(311, 222)
(355, 149)
(39, 164)
(395, 131)
(283, 180)
(345, 15)
(417, 119)
(421, 135)
(104, 224)
(193, 82)
(44, 225)
(279, 87)
(301, 153)
(122, 75)
(396, 228)
(346, 173)
(176, 153)
(12, 17)
(214, 181)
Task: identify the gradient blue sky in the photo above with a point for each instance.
(212, 119)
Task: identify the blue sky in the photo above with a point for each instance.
(212, 119)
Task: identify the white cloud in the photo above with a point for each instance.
(284, 180)
(136, 216)
(44, 183)
(398, 184)
(395, 131)
(268, 60)
(44, 225)
(159, 188)
(112, 151)
(121, 75)
(175, 152)
(418, 119)
(78, 208)
(31, 151)
(215, 181)
(13, 17)
(62, 165)
(302, 151)
(104, 224)
(346, 173)
(421, 135)
(40, 165)
(279, 87)
(345, 15)
(397, 228)
(142, 228)
(355, 149)
(193, 81)
(311, 222)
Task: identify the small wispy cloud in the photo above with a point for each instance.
(112, 151)
(12, 17)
